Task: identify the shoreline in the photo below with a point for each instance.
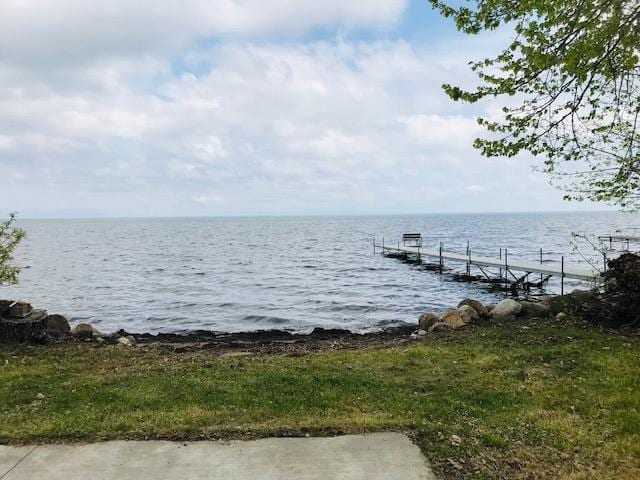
(269, 342)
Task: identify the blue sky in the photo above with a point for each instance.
(253, 107)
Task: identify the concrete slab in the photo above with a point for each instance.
(10, 457)
(381, 456)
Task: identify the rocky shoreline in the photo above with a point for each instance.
(470, 311)
(20, 323)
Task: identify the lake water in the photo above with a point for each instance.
(236, 274)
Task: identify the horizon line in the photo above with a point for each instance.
(294, 215)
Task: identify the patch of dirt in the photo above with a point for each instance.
(271, 341)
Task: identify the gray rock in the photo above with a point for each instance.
(427, 319)
(534, 309)
(132, 340)
(506, 308)
(57, 323)
(476, 305)
(125, 341)
(439, 327)
(561, 317)
(82, 330)
(422, 333)
(453, 319)
(468, 314)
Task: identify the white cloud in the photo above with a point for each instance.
(207, 199)
(242, 127)
(48, 32)
(6, 142)
(475, 189)
(442, 131)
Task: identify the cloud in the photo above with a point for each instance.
(49, 33)
(442, 131)
(171, 126)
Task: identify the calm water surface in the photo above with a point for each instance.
(235, 274)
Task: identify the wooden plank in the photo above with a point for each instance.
(519, 265)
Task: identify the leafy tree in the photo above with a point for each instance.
(10, 237)
(572, 69)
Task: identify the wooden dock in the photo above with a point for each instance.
(506, 264)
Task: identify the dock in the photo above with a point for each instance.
(506, 264)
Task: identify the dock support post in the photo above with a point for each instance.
(506, 268)
(468, 260)
(419, 259)
(500, 259)
(540, 267)
(440, 257)
(562, 276)
(604, 254)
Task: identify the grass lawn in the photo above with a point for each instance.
(530, 400)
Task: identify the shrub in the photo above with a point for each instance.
(10, 237)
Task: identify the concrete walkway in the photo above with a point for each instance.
(372, 457)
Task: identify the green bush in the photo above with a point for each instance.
(10, 237)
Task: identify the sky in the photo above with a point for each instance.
(247, 107)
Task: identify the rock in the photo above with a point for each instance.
(489, 308)
(132, 340)
(453, 319)
(40, 396)
(506, 308)
(82, 330)
(96, 333)
(439, 327)
(100, 340)
(127, 341)
(561, 316)
(57, 323)
(468, 313)
(427, 319)
(534, 309)
(476, 305)
(422, 333)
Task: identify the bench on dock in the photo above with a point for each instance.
(412, 239)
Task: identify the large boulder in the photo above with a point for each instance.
(57, 323)
(427, 319)
(453, 319)
(506, 308)
(476, 305)
(534, 310)
(468, 314)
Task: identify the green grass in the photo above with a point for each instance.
(541, 401)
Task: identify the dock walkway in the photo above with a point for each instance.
(587, 274)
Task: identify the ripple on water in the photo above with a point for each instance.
(141, 275)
